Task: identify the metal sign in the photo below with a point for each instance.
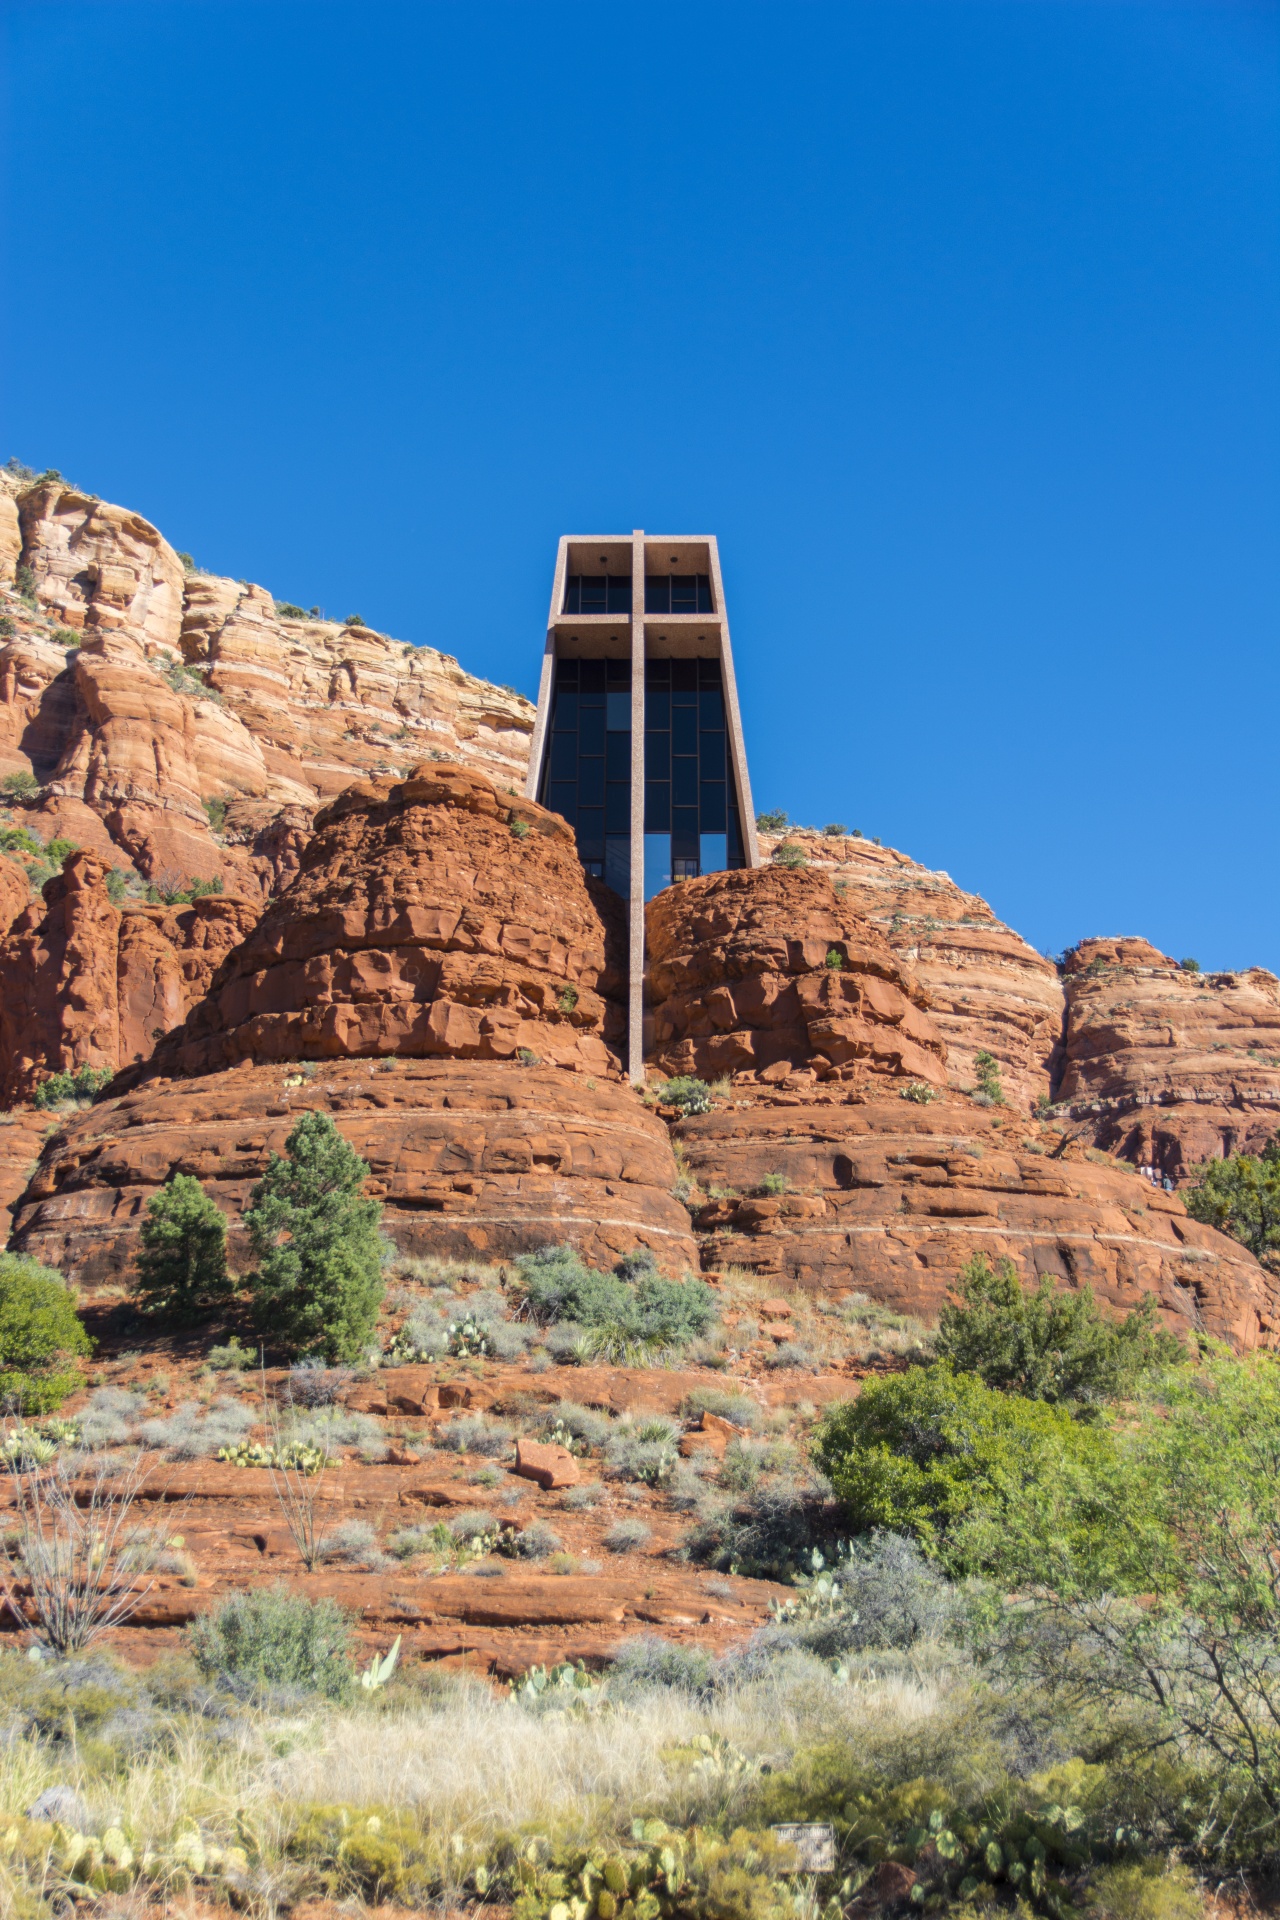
(815, 1846)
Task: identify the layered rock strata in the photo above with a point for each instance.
(988, 989)
(469, 1160)
(888, 1197)
(85, 984)
(431, 917)
(1168, 1067)
(193, 729)
(762, 972)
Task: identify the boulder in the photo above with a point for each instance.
(546, 1463)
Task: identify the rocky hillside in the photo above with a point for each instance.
(182, 726)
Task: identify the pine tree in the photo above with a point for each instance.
(318, 1283)
(182, 1268)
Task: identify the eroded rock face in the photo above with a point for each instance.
(988, 989)
(431, 917)
(470, 1160)
(84, 984)
(189, 690)
(1169, 1068)
(765, 971)
(890, 1198)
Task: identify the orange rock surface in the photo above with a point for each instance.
(759, 972)
(1165, 1067)
(890, 1198)
(988, 990)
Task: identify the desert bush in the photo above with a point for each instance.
(408, 1542)
(537, 1541)
(331, 1427)
(612, 1314)
(648, 1662)
(792, 1353)
(771, 1533)
(108, 1419)
(1240, 1196)
(194, 1433)
(627, 1536)
(424, 1336)
(274, 1638)
(737, 1407)
(312, 1384)
(81, 1086)
(589, 1494)
(232, 1358)
(790, 854)
(318, 1283)
(473, 1524)
(79, 1548)
(987, 1072)
(884, 1594)
(686, 1092)
(570, 1423)
(928, 1451)
(647, 1452)
(40, 1333)
(776, 820)
(20, 785)
(354, 1541)
(476, 1433)
(1046, 1344)
(182, 1265)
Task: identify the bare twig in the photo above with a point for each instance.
(79, 1549)
(300, 1494)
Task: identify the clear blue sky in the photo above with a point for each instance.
(957, 323)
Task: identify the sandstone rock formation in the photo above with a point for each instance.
(765, 971)
(83, 983)
(1165, 1067)
(431, 917)
(468, 1159)
(987, 989)
(889, 1198)
(193, 731)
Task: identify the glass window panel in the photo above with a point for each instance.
(657, 673)
(566, 673)
(711, 708)
(618, 711)
(573, 594)
(684, 782)
(591, 782)
(618, 597)
(617, 674)
(594, 867)
(617, 756)
(708, 673)
(711, 812)
(591, 676)
(593, 596)
(684, 730)
(617, 808)
(617, 863)
(714, 853)
(564, 755)
(684, 595)
(704, 602)
(562, 797)
(657, 708)
(657, 756)
(684, 831)
(657, 806)
(591, 729)
(684, 676)
(657, 593)
(711, 754)
(591, 833)
(566, 709)
(657, 863)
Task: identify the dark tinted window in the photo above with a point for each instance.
(677, 593)
(597, 593)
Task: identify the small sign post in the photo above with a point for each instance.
(815, 1845)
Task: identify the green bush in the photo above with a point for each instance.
(216, 814)
(24, 580)
(182, 1265)
(1240, 1196)
(58, 851)
(39, 1332)
(687, 1092)
(775, 822)
(20, 840)
(558, 1286)
(117, 886)
(987, 1069)
(790, 854)
(20, 785)
(275, 1639)
(288, 610)
(318, 1283)
(82, 1085)
(931, 1451)
(1046, 1344)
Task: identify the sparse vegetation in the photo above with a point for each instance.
(216, 814)
(834, 830)
(987, 1074)
(790, 854)
(776, 821)
(1240, 1196)
(79, 1087)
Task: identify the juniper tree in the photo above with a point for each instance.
(182, 1267)
(318, 1282)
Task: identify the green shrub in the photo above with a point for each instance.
(926, 1452)
(24, 580)
(21, 785)
(182, 1265)
(687, 1092)
(520, 829)
(216, 814)
(58, 851)
(558, 1286)
(39, 1332)
(987, 1069)
(834, 830)
(1240, 1196)
(288, 610)
(775, 822)
(919, 1093)
(790, 854)
(835, 959)
(118, 886)
(20, 840)
(1046, 1344)
(8, 627)
(318, 1283)
(275, 1639)
(1189, 966)
(82, 1086)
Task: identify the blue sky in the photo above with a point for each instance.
(956, 323)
